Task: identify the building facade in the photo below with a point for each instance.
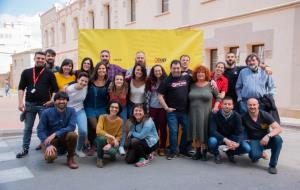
(268, 28)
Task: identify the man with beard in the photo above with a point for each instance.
(112, 69)
(140, 58)
(173, 96)
(37, 82)
(184, 62)
(257, 124)
(56, 128)
(232, 73)
(253, 82)
(50, 60)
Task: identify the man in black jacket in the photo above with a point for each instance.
(226, 129)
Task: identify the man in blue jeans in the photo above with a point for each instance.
(226, 129)
(173, 96)
(37, 83)
(257, 124)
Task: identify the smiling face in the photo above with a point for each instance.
(201, 76)
(176, 70)
(253, 63)
(227, 105)
(105, 57)
(50, 58)
(82, 81)
(184, 61)
(114, 109)
(157, 72)
(253, 106)
(119, 81)
(230, 59)
(219, 68)
(61, 103)
(101, 71)
(138, 114)
(138, 72)
(67, 69)
(86, 66)
(140, 58)
(39, 60)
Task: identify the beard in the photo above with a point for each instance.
(253, 68)
(230, 63)
(61, 106)
(50, 63)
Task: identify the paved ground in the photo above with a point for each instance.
(33, 173)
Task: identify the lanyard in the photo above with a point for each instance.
(35, 79)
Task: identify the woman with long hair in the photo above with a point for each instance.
(157, 112)
(118, 90)
(65, 75)
(96, 101)
(86, 66)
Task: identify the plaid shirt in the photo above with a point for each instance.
(113, 70)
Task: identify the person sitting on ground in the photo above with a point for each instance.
(142, 137)
(109, 133)
(226, 129)
(56, 128)
(257, 124)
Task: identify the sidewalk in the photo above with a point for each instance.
(10, 124)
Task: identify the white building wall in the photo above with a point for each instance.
(226, 23)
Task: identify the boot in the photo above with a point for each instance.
(204, 155)
(197, 155)
(71, 163)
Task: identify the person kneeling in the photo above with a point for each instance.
(143, 137)
(56, 129)
(109, 133)
(226, 129)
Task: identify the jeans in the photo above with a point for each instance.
(275, 144)
(173, 120)
(100, 142)
(81, 122)
(123, 115)
(31, 109)
(213, 145)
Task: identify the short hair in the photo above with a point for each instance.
(140, 52)
(64, 63)
(230, 53)
(61, 95)
(251, 56)
(114, 102)
(220, 62)
(175, 62)
(227, 98)
(104, 51)
(51, 52)
(39, 53)
(143, 107)
(185, 56)
(203, 69)
(144, 71)
(83, 74)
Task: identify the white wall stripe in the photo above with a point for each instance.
(7, 156)
(15, 174)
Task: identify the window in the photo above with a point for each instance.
(213, 58)
(91, 20)
(107, 16)
(164, 6)
(75, 27)
(132, 9)
(52, 37)
(63, 33)
(259, 51)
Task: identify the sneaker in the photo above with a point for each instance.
(171, 156)
(185, 154)
(230, 157)
(122, 151)
(22, 154)
(151, 156)
(99, 163)
(90, 151)
(218, 159)
(80, 154)
(272, 170)
(142, 162)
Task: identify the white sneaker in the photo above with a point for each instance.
(80, 154)
(122, 151)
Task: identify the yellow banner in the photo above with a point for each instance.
(160, 46)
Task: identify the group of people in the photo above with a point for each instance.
(128, 111)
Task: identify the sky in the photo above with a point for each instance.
(26, 7)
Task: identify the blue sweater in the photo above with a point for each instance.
(53, 121)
